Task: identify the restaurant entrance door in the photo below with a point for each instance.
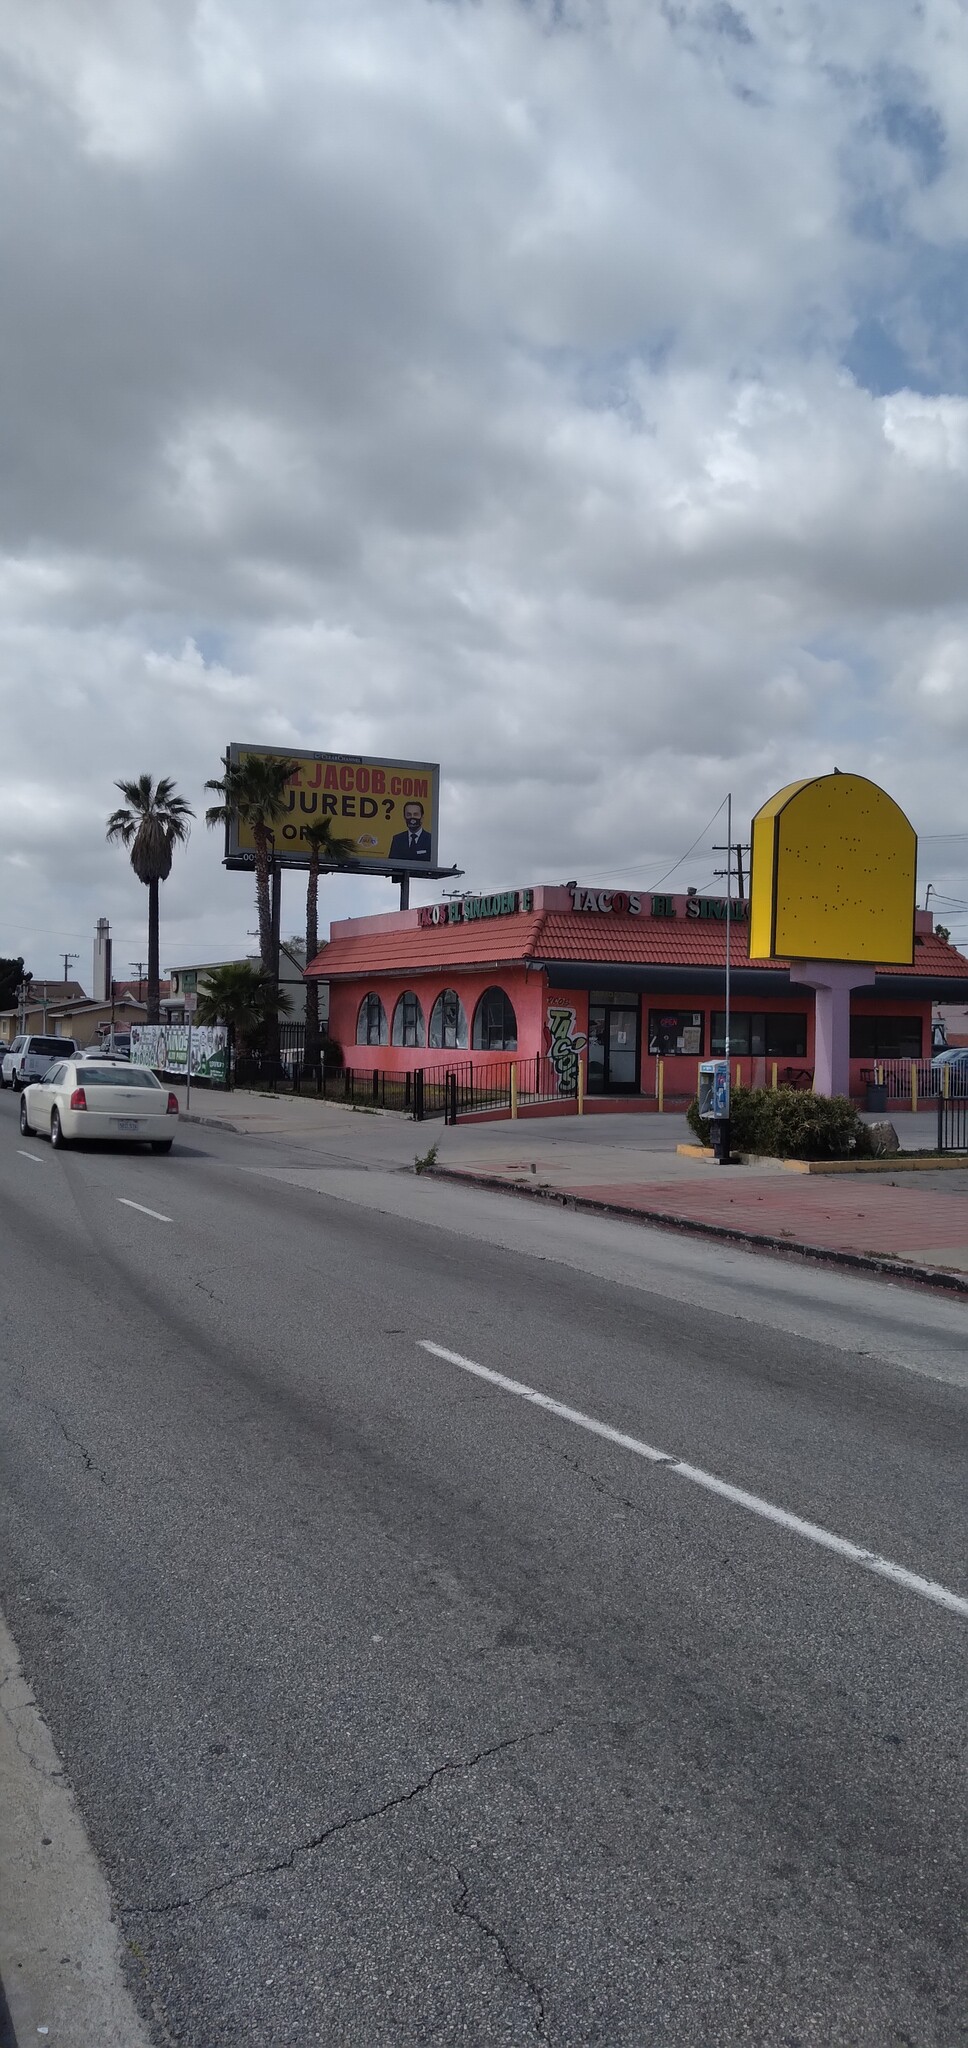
(613, 1045)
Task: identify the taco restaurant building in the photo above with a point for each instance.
(627, 980)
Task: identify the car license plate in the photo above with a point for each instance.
(128, 1123)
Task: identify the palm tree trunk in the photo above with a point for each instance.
(262, 900)
(154, 992)
(270, 965)
(311, 1041)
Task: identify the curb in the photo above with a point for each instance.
(894, 1162)
(212, 1123)
(821, 1255)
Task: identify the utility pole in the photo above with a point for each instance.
(69, 958)
(732, 846)
(142, 970)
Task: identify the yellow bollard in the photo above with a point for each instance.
(773, 1080)
(880, 1077)
(660, 1085)
(581, 1086)
(514, 1088)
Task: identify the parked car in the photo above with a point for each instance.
(99, 1100)
(116, 1044)
(30, 1056)
(953, 1063)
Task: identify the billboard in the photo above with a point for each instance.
(387, 809)
(833, 874)
(164, 1048)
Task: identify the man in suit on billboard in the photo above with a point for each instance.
(414, 843)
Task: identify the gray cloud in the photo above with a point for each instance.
(469, 382)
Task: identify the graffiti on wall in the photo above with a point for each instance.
(164, 1048)
(566, 1044)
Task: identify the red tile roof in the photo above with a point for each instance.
(541, 935)
(431, 947)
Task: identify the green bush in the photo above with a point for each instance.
(787, 1123)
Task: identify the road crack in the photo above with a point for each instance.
(466, 1911)
(76, 1445)
(608, 1493)
(450, 1766)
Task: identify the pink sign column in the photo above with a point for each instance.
(832, 981)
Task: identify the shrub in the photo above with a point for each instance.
(785, 1123)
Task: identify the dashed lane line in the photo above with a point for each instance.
(156, 1213)
(883, 1567)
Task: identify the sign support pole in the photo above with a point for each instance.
(188, 1069)
(724, 1128)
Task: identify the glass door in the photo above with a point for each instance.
(622, 1052)
(613, 1048)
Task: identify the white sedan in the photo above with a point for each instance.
(82, 1098)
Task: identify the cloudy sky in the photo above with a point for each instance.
(571, 391)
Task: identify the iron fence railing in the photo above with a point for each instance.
(917, 1081)
(475, 1086)
(461, 1088)
(953, 1123)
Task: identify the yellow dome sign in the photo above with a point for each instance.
(833, 874)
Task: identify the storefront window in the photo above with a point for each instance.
(408, 1020)
(672, 1031)
(448, 1021)
(371, 1024)
(885, 1038)
(758, 1034)
(495, 1024)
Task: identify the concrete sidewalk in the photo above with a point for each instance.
(917, 1221)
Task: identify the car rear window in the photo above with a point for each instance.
(53, 1048)
(116, 1077)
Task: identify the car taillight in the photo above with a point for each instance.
(173, 1105)
(78, 1099)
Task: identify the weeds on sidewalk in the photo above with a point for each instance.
(427, 1162)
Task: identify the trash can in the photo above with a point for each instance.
(876, 1096)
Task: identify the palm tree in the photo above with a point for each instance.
(326, 854)
(241, 996)
(153, 820)
(253, 793)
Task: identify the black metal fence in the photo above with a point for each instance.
(463, 1088)
(451, 1091)
(953, 1123)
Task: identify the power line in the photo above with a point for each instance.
(641, 867)
(691, 849)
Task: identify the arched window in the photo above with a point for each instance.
(448, 1021)
(371, 1024)
(408, 1020)
(495, 1024)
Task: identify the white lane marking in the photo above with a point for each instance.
(156, 1213)
(32, 1156)
(928, 1589)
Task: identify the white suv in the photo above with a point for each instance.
(29, 1058)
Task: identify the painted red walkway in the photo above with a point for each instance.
(861, 1215)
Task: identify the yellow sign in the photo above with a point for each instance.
(386, 809)
(833, 874)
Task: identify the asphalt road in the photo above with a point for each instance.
(403, 1710)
